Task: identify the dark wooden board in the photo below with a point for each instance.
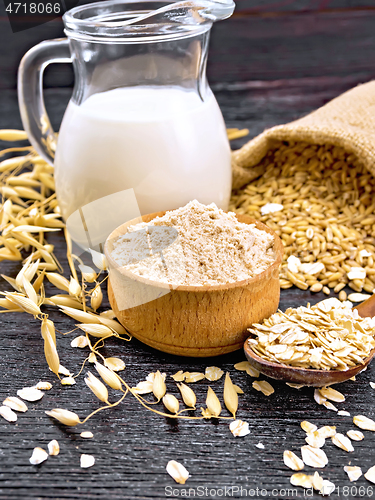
(261, 41)
(132, 446)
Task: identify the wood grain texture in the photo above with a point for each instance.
(262, 41)
(132, 446)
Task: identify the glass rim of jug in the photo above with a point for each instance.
(108, 22)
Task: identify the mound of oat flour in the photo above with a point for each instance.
(206, 247)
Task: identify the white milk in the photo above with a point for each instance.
(165, 143)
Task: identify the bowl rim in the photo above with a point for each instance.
(274, 267)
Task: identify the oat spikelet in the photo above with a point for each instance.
(74, 287)
(177, 471)
(213, 403)
(230, 396)
(97, 387)
(66, 417)
(96, 298)
(158, 386)
(24, 303)
(88, 273)
(109, 377)
(96, 330)
(79, 315)
(29, 290)
(114, 325)
(99, 260)
(171, 403)
(12, 135)
(48, 328)
(188, 395)
(58, 281)
(50, 352)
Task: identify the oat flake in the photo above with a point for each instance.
(239, 428)
(354, 473)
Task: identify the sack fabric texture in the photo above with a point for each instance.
(348, 121)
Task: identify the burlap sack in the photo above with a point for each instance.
(347, 121)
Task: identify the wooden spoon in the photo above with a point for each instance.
(314, 378)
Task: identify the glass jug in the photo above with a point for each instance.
(142, 115)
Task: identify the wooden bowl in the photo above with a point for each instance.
(192, 320)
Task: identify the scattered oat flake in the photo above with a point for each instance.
(295, 386)
(329, 406)
(355, 435)
(68, 381)
(43, 386)
(179, 376)
(343, 413)
(39, 455)
(364, 423)
(370, 474)
(315, 457)
(177, 471)
(64, 371)
(87, 434)
(30, 394)
(263, 386)
(80, 341)
(53, 447)
(292, 461)
(143, 387)
(270, 208)
(358, 297)
(115, 364)
(87, 461)
(213, 373)
(326, 431)
(8, 414)
(372, 385)
(191, 377)
(332, 394)
(354, 473)
(308, 427)
(342, 442)
(239, 428)
(260, 446)
(327, 488)
(245, 366)
(318, 397)
(314, 440)
(15, 404)
(300, 479)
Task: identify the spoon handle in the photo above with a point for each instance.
(367, 308)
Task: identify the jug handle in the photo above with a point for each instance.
(30, 94)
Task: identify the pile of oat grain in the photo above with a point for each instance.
(211, 248)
